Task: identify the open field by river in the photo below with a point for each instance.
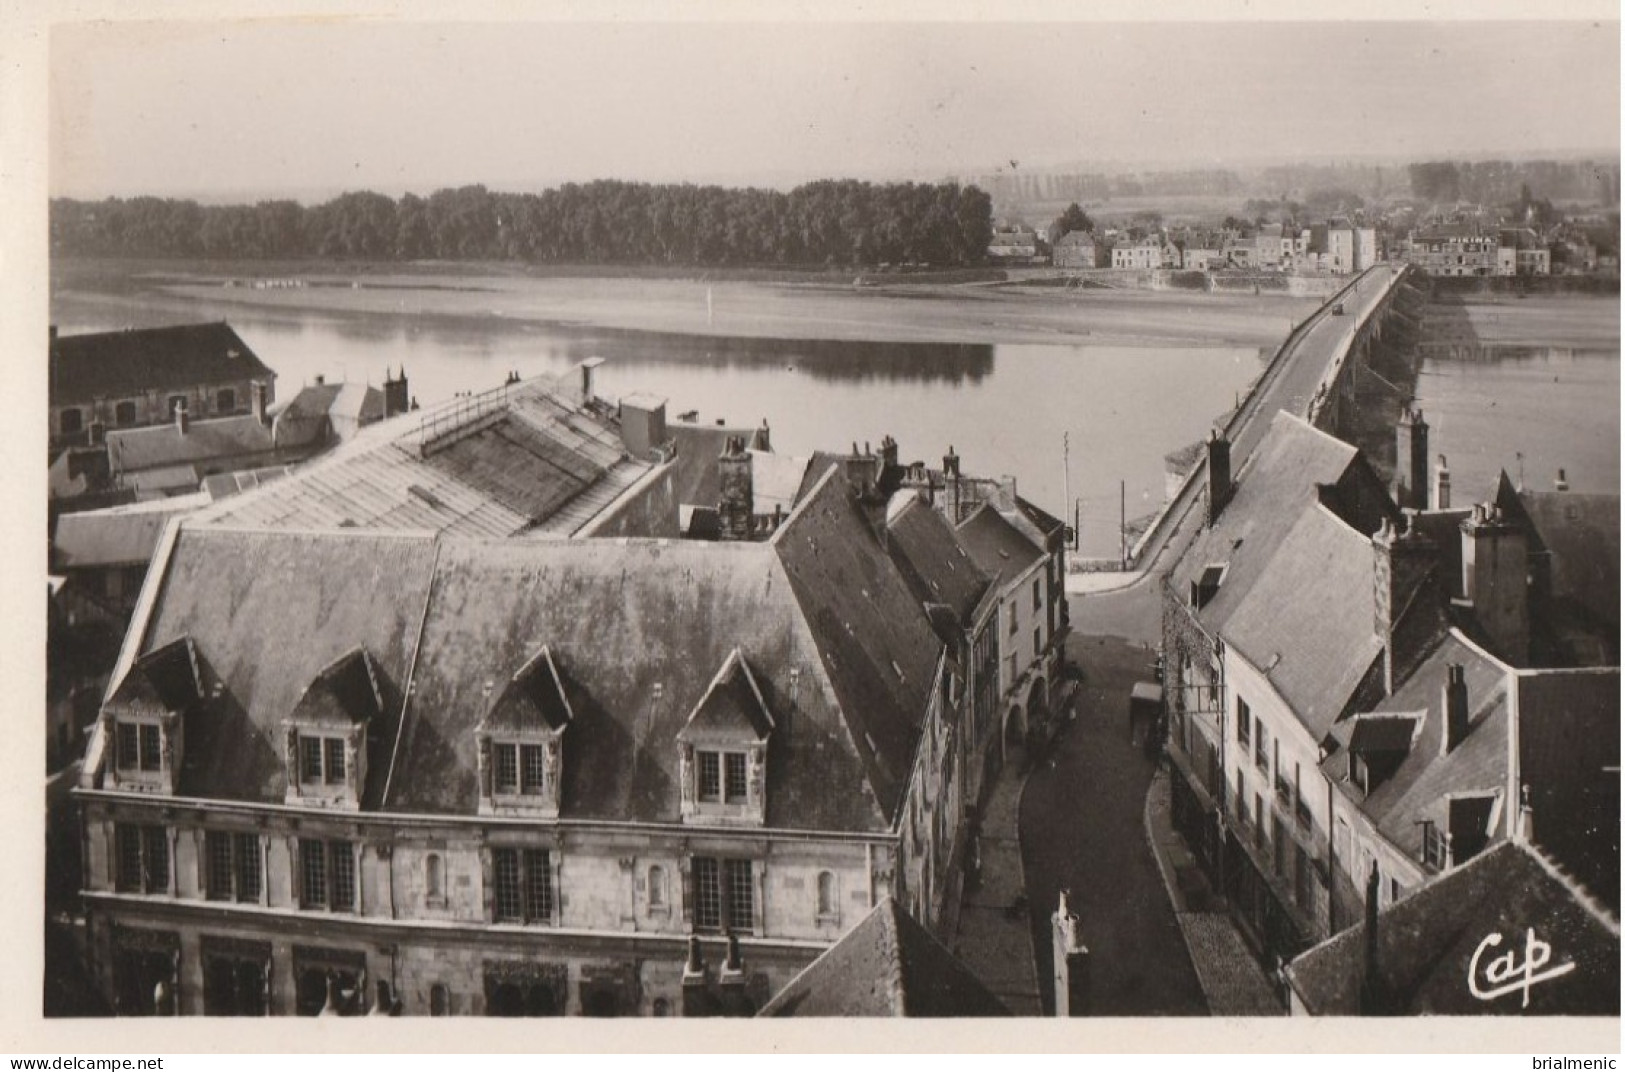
(888, 312)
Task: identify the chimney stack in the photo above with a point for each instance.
(1495, 580)
(1453, 706)
(1411, 462)
(256, 396)
(643, 425)
(736, 500)
(950, 463)
(696, 996)
(1408, 605)
(587, 368)
(765, 436)
(182, 420)
(1372, 992)
(1218, 475)
(1441, 485)
(396, 394)
(321, 378)
(1562, 483)
(888, 453)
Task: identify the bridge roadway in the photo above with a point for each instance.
(1309, 358)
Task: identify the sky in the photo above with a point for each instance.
(234, 109)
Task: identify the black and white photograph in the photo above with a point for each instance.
(1110, 519)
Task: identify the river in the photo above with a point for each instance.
(1007, 408)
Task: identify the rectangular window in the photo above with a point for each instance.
(334, 773)
(128, 744)
(141, 858)
(508, 901)
(1241, 798)
(707, 894)
(507, 767)
(221, 871)
(1261, 752)
(532, 768)
(1013, 616)
(724, 894)
(711, 776)
(341, 857)
(151, 748)
(310, 760)
(524, 885)
(1244, 723)
(313, 873)
(248, 867)
(734, 777)
(538, 886)
(232, 866)
(1038, 600)
(128, 870)
(741, 896)
(225, 400)
(1038, 643)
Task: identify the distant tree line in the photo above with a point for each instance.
(834, 223)
(1502, 181)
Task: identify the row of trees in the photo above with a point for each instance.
(833, 223)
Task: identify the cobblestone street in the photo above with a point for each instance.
(1083, 829)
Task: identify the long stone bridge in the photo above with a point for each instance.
(1311, 375)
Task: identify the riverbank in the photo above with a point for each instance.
(889, 311)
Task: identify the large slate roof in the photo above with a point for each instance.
(1307, 620)
(1426, 944)
(887, 965)
(1282, 477)
(841, 653)
(998, 548)
(1417, 789)
(936, 565)
(113, 364)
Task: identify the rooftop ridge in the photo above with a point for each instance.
(1560, 874)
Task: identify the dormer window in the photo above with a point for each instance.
(521, 742)
(723, 745)
(145, 718)
(326, 736)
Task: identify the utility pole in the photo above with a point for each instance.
(1066, 480)
(1122, 523)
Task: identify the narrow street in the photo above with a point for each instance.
(1083, 829)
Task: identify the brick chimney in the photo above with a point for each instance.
(1562, 481)
(1409, 608)
(736, 499)
(396, 394)
(863, 472)
(1411, 460)
(1218, 475)
(182, 419)
(1453, 708)
(1494, 580)
(888, 454)
(1441, 485)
